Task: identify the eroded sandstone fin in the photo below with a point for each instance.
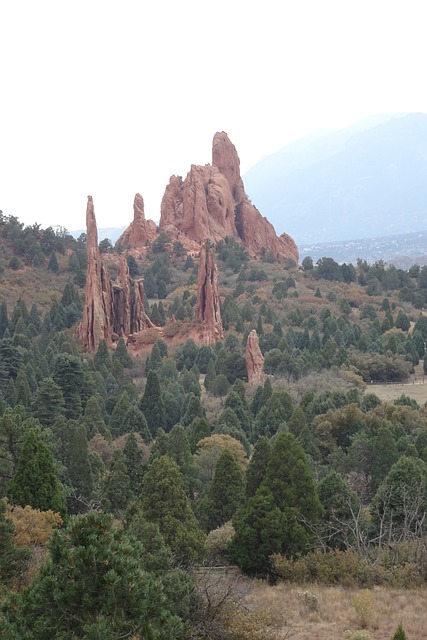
(111, 309)
(208, 311)
(254, 359)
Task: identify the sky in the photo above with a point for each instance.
(112, 98)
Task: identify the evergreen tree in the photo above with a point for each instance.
(234, 401)
(79, 467)
(53, 265)
(260, 532)
(210, 375)
(68, 374)
(162, 314)
(297, 422)
(290, 479)
(22, 389)
(102, 356)
(93, 586)
(4, 321)
(225, 493)
(93, 420)
(118, 414)
(164, 501)
(134, 464)
(152, 405)
(134, 421)
(117, 486)
(257, 467)
(121, 354)
(199, 429)
(178, 449)
(35, 481)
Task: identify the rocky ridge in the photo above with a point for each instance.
(211, 204)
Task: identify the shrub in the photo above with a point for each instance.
(262, 624)
(399, 634)
(357, 635)
(363, 606)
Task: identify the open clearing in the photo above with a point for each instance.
(389, 392)
(331, 611)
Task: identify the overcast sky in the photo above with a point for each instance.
(111, 98)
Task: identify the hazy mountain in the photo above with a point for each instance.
(367, 180)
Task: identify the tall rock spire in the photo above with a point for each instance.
(96, 321)
(110, 310)
(208, 312)
(254, 359)
(140, 231)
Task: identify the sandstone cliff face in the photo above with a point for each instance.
(110, 309)
(254, 359)
(211, 204)
(140, 230)
(208, 311)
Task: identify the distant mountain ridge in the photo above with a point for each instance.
(401, 250)
(368, 180)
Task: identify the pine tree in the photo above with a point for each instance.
(162, 314)
(121, 354)
(4, 321)
(79, 467)
(152, 405)
(260, 532)
(134, 464)
(117, 485)
(22, 389)
(102, 356)
(35, 481)
(93, 586)
(134, 421)
(257, 467)
(93, 420)
(68, 374)
(118, 414)
(53, 263)
(225, 493)
(164, 501)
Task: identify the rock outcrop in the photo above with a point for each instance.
(140, 231)
(211, 204)
(208, 311)
(254, 359)
(111, 309)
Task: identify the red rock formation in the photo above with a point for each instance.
(208, 311)
(110, 309)
(140, 230)
(211, 204)
(254, 359)
(139, 319)
(96, 321)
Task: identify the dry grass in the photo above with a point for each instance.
(335, 611)
(390, 392)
